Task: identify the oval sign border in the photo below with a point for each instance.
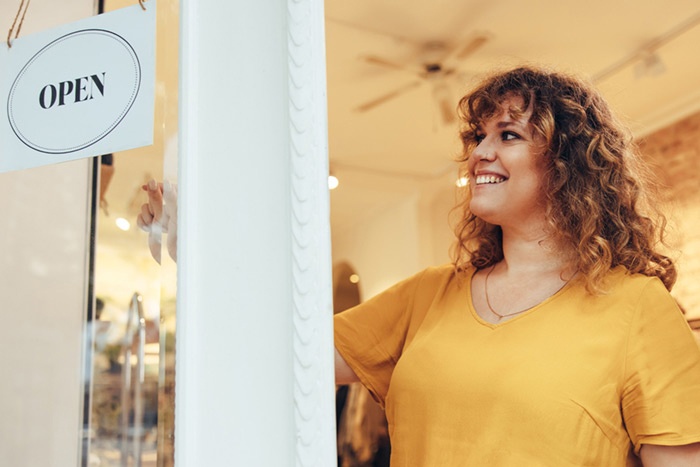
(111, 127)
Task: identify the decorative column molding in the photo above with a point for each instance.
(311, 252)
(254, 357)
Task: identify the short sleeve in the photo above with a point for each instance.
(371, 336)
(661, 393)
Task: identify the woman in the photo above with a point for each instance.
(552, 340)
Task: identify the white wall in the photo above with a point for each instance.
(384, 249)
(393, 245)
(43, 255)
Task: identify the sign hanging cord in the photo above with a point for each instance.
(23, 10)
(21, 21)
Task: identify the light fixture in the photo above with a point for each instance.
(650, 65)
(354, 278)
(462, 182)
(123, 224)
(333, 182)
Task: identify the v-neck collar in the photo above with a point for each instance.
(472, 310)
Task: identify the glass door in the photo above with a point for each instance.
(131, 404)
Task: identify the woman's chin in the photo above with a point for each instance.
(485, 213)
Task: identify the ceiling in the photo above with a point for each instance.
(403, 145)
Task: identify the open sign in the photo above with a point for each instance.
(41, 103)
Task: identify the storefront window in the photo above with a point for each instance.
(131, 399)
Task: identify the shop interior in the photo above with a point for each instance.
(394, 76)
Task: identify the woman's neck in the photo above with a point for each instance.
(534, 251)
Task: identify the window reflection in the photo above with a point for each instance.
(130, 362)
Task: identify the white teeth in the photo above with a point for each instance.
(483, 179)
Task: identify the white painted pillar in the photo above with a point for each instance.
(254, 383)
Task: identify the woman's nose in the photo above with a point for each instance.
(484, 151)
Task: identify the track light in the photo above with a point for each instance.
(650, 65)
(332, 182)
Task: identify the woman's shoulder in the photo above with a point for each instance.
(441, 270)
(621, 280)
(445, 273)
(637, 293)
(432, 279)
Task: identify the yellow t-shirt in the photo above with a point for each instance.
(578, 380)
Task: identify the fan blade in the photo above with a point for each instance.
(363, 28)
(474, 44)
(447, 110)
(387, 97)
(374, 60)
(443, 98)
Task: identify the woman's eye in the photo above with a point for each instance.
(509, 135)
(478, 138)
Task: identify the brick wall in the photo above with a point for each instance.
(674, 152)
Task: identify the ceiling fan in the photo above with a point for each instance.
(435, 63)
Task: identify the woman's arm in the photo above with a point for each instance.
(687, 455)
(343, 372)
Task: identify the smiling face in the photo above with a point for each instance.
(504, 169)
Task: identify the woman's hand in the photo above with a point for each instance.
(158, 216)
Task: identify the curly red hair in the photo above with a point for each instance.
(595, 184)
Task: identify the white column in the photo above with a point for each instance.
(254, 342)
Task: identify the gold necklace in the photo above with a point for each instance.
(500, 316)
(488, 302)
